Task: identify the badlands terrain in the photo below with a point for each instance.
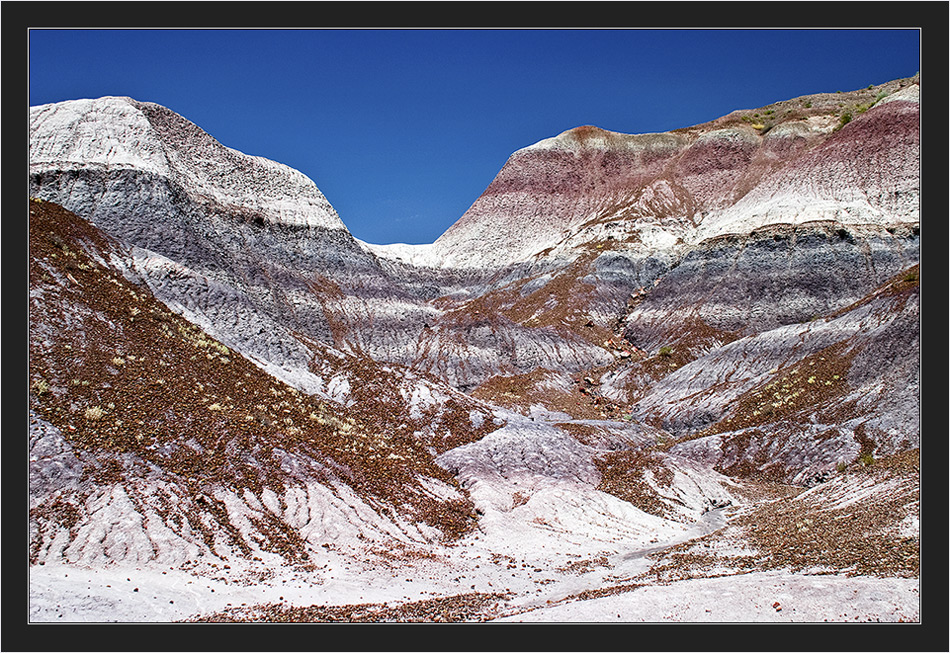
(644, 378)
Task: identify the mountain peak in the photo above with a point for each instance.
(587, 135)
(591, 137)
(780, 164)
(114, 133)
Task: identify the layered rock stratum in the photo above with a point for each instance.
(623, 376)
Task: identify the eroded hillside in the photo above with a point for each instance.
(140, 415)
(636, 368)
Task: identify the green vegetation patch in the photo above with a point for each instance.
(811, 382)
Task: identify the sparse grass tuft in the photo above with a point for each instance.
(40, 387)
(844, 120)
(94, 413)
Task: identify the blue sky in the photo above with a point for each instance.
(403, 129)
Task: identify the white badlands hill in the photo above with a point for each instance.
(644, 378)
(121, 133)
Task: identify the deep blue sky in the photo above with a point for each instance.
(403, 129)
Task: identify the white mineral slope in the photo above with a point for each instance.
(547, 539)
(423, 255)
(226, 313)
(548, 190)
(156, 520)
(114, 133)
(746, 598)
(536, 486)
(545, 534)
(866, 173)
(545, 591)
(705, 388)
(107, 132)
(729, 595)
(879, 337)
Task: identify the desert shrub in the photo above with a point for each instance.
(845, 119)
(94, 413)
(40, 387)
(666, 351)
